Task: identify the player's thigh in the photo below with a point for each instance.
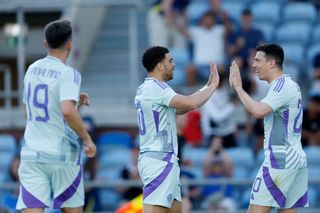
(67, 187)
(286, 210)
(154, 209)
(33, 210)
(176, 207)
(72, 210)
(258, 209)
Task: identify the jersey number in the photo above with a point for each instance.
(297, 127)
(39, 101)
(141, 123)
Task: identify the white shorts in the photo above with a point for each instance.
(280, 188)
(39, 181)
(160, 177)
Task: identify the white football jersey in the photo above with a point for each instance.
(282, 143)
(48, 138)
(157, 121)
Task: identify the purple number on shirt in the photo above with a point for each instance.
(40, 92)
(141, 123)
(297, 127)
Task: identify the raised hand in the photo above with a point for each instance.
(235, 77)
(90, 149)
(214, 78)
(84, 99)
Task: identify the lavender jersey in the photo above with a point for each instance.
(48, 138)
(157, 121)
(282, 142)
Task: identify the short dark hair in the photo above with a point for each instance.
(57, 33)
(272, 51)
(152, 56)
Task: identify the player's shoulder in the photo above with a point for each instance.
(71, 73)
(283, 83)
(155, 84)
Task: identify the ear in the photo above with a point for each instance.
(160, 66)
(45, 44)
(69, 45)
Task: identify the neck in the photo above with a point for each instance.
(156, 75)
(60, 54)
(277, 74)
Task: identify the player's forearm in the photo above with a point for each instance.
(198, 98)
(253, 106)
(74, 121)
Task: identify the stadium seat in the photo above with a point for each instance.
(242, 159)
(267, 29)
(233, 8)
(7, 143)
(300, 11)
(312, 51)
(292, 69)
(316, 34)
(266, 11)
(313, 156)
(294, 52)
(7, 152)
(195, 11)
(195, 154)
(115, 157)
(287, 32)
(115, 139)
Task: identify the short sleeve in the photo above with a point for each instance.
(277, 96)
(70, 85)
(163, 94)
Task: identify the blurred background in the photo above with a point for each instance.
(221, 145)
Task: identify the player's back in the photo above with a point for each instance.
(48, 138)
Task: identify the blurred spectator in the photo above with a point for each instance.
(10, 197)
(92, 198)
(311, 123)
(192, 128)
(192, 193)
(165, 20)
(315, 84)
(247, 39)
(181, 121)
(208, 45)
(216, 151)
(128, 193)
(217, 117)
(221, 16)
(218, 165)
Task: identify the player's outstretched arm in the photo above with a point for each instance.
(256, 108)
(188, 103)
(72, 117)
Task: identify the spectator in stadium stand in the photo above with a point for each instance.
(247, 38)
(207, 39)
(165, 20)
(282, 181)
(157, 106)
(218, 118)
(51, 166)
(315, 75)
(311, 122)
